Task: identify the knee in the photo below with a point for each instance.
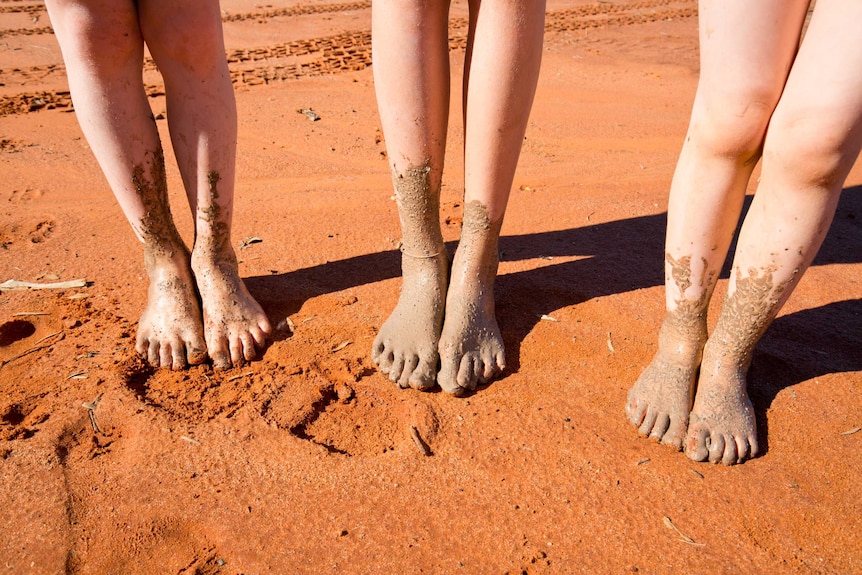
(105, 39)
(810, 148)
(731, 126)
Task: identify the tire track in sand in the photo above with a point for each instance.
(344, 52)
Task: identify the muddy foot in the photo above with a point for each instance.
(406, 347)
(170, 332)
(660, 400)
(235, 326)
(722, 424)
(471, 347)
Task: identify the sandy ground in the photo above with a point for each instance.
(304, 462)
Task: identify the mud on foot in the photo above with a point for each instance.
(235, 326)
(406, 346)
(722, 425)
(660, 400)
(170, 332)
(471, 347)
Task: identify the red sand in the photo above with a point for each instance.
(303, 462)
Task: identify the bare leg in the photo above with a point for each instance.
(503, 59)
(203, 126)
(814, 138)
(729, 119)
(103, 50)
(411, 75)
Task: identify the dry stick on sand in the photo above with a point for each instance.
(19, 285)
(420, 443)
(683, 537)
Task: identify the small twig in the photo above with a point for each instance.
(696, 473)
(190, 439)
(610, 343)
(28, 313)
(642, 461)
(91, 406)
(851, 431)
(683, 537)
(48, 336)
(420, 443)
(341, 346)
(547, 317)
(19, 285)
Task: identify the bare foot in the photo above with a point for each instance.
(235, 326)
(471, 347)
(722, 426)
(406, 346)
(170, 332)
(660, 400)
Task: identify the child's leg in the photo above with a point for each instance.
(814, 138)
(103, 51)
(501, 71)
(186, 42)
(411, 76)
(746, 51)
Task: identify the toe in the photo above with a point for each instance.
(142, 344)
(675, 434)
(754, 448)
(377, 350)
(259, 336)
(648, 422)
(236, 357)
(153, 353)
(166, 357)
(730, 451)
(636, 411)
(396, 369)
(660, 427)
(178, 357)
(447, 377)
(409, 367)
(384, 361)
(249, 349)
(716, 447)
(467, 373)
(743, 449)
(424, 376)
(196, 353)
(696, 444)
(265, 327)
(218, 351)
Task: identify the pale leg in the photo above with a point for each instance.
(411, 76)
(746, 52)
(186, 42)
(103, 51)
(814, 138)
(502, 69)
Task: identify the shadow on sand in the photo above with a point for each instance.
(618, 257)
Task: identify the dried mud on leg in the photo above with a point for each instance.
(722, 427)
(660, 400)
(406, 346)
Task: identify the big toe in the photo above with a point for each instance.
(675, 433)
(447, 377)
(697, 443)
(424, 376)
